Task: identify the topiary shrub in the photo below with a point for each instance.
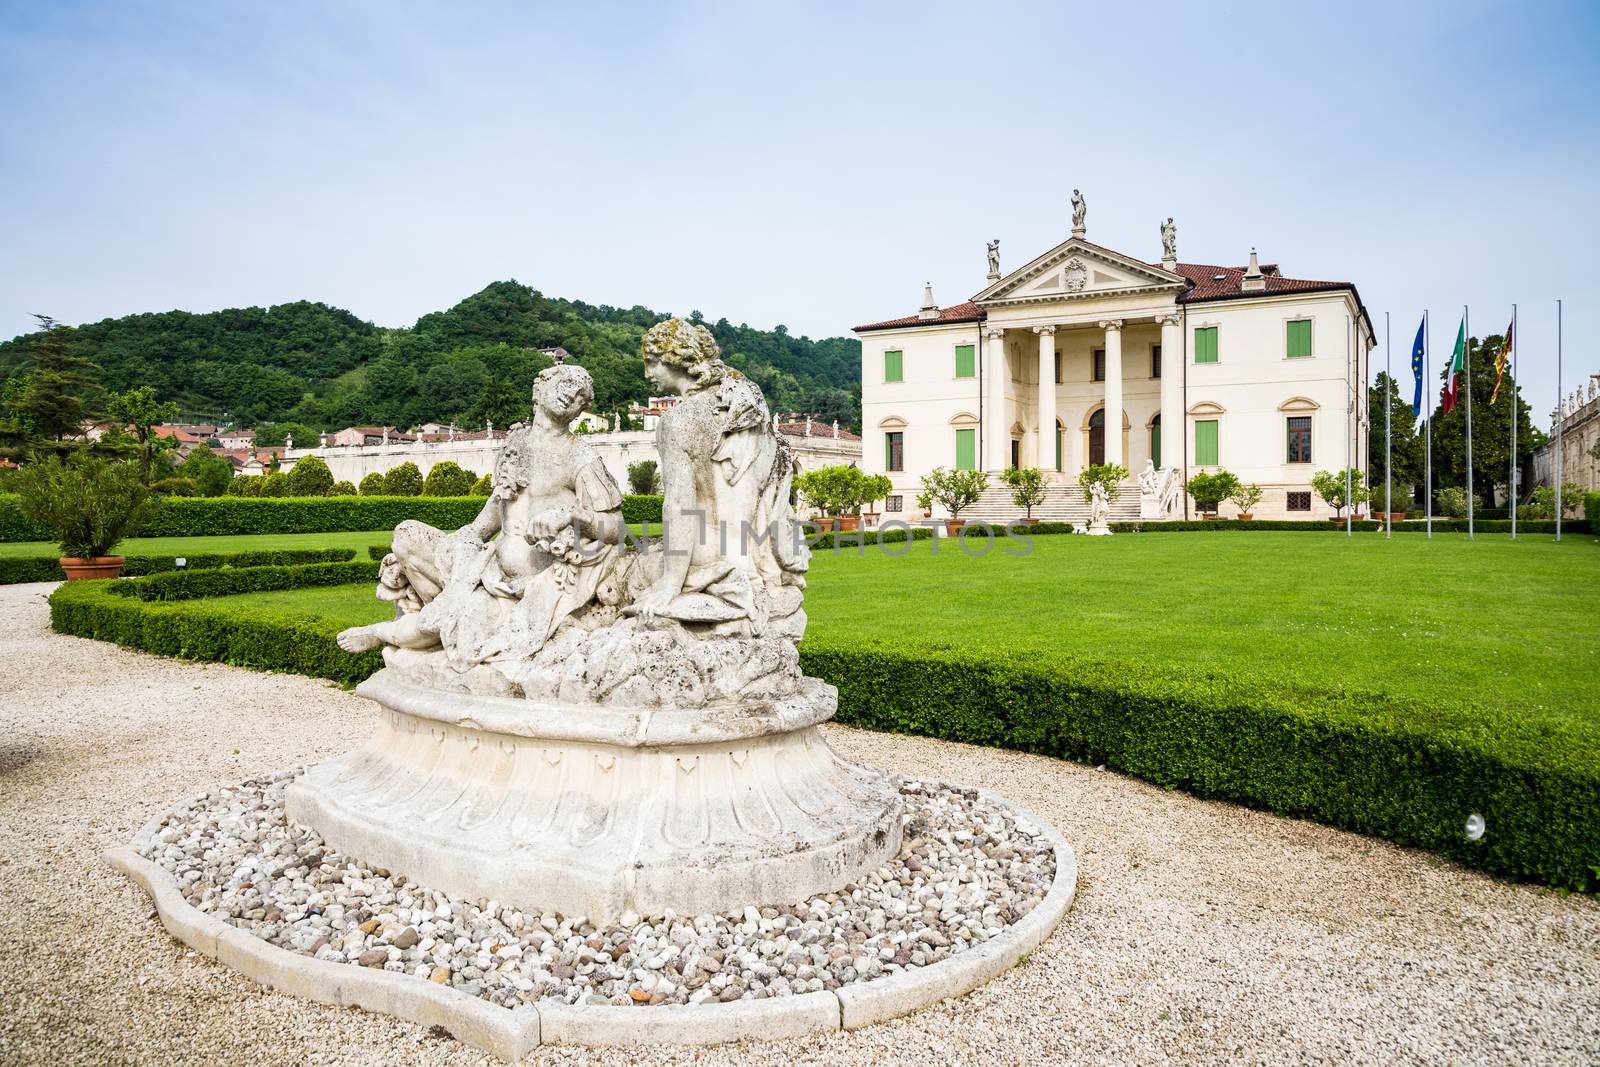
(275, 484)
(245, 485)
(310, 477)
(643, 477)
(211, 473)
(483, 486)
(173, 487)
(1211, 488)
(342, 488)
(446, 478)
(404, 480)
(372, 484)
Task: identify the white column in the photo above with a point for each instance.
(1045, 457)
(1113, 329)
(996, 378)
(1172, 420)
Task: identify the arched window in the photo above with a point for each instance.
(1155, 440)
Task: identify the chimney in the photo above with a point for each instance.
(930, 310)
(1254, 280)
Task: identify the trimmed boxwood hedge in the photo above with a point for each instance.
(225, 516)
(48, 568)
(1408, 772)
(161, 614)
(1440, 525)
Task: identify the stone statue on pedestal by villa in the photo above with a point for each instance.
(994, 258)
(576, 720)
(1169, 240)
(1079, 210)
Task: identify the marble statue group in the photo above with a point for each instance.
(548, 574)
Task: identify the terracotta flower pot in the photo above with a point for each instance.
(1028, 520)
(847, 523)
(78, 569)
(1208, 515)
(952, 527)
(1246, 516)
(1397, 516)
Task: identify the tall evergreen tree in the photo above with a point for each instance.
(1491, 428)
(59, 394)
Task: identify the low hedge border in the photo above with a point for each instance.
(226, 516)
(1364, 526)
(1360, 760)
(48, 568)
(162, 614)
(1405, 770)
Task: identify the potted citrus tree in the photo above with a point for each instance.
(1245, 498)
(874, 487)
(1330, 486)
(1027, 488)
(1211, 488)
(88, 503)
(955, 489)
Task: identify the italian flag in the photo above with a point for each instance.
(1458, 363)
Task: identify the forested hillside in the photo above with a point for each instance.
(322, 366)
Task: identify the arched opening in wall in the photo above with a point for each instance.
(1155, 440)
(1097, 438)
(1061, 437)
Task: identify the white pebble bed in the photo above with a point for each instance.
(968, 869)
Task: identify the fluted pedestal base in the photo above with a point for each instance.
(600, 810)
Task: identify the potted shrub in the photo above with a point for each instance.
(89, 503)
(874, 487)
(1245, 498)
(1027, 488)
(1211, 488)
(955, 489)
(1330, 486)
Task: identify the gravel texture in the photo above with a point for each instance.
(968, 869)
(1202, 932)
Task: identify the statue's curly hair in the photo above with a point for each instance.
(566, 370)
(687, 345)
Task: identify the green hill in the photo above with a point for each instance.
(320, 365)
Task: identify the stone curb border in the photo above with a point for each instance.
(511, 1034)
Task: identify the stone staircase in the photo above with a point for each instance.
(1062, 503)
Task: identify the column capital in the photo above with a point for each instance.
(1045, 331)
(994, 333)
(1110, 324)
(1169, 319)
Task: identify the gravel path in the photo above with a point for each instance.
(1203, 932)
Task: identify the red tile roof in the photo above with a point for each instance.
(968, 312)
(1210, 282)
(815, 429)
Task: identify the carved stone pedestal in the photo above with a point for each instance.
(600, 810)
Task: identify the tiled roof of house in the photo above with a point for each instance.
(816, 429)
(967, 312)
(1210, 282)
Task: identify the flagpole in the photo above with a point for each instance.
(1427, 421)
(1466, 363)
(1511, 371)
(1349, 432)
(1558, 420)
(1388, 452)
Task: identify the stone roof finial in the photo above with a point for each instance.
(930, 310)
(1254, 280)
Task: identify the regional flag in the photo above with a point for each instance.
(1419, 355)
(1501, 359)
(1458, 363)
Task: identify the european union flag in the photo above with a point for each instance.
(1418, 354)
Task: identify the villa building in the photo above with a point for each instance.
(1261, 374)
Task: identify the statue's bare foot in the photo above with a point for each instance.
(359, 638)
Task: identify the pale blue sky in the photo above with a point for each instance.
(805, 164)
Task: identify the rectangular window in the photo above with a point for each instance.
(893, 366)
(1205, 344)
(1155, 361)
(894, 502)
(1097, 372)
(1299, 439)
(1300, 501)
(894, 455)
(966, 450)
(1205, 442)
(1299, 339)
(966, 362)
(1058, 369)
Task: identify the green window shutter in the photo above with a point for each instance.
(1205, 442)
(1299, 339)
(966, 362)
(1058, 448)
(893, 368)
(966, 450)
(1155, 444)
(1205, 345)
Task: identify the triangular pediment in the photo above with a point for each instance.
(1075, 268)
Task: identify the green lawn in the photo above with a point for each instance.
(1487, 622)
(178, 546)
